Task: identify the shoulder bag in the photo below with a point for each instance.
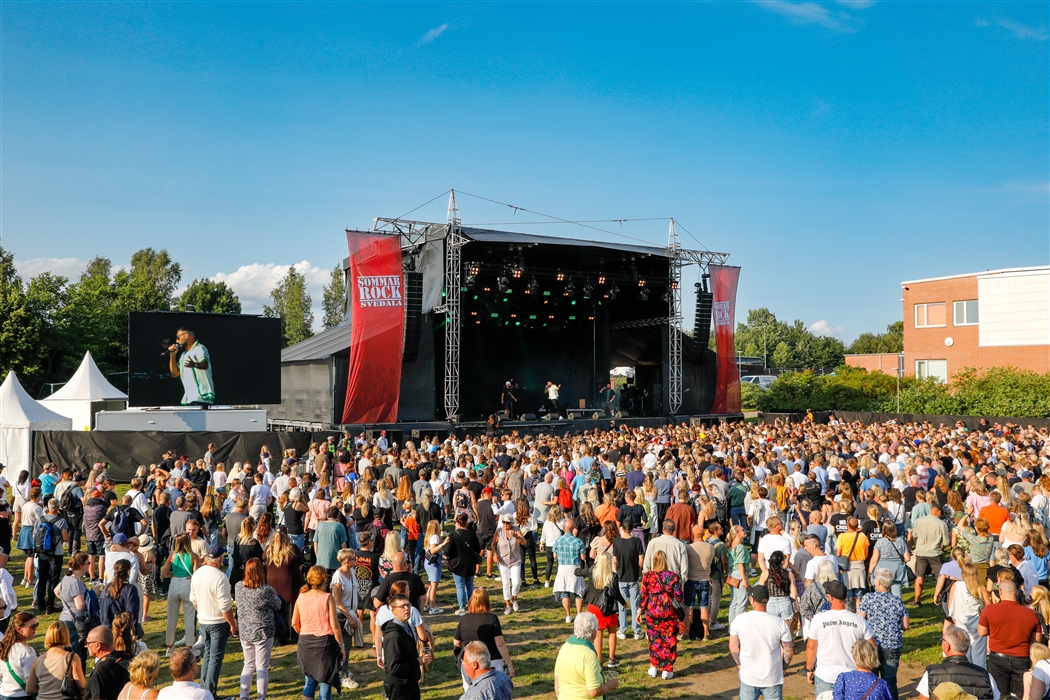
(844, 560)
(70, 688)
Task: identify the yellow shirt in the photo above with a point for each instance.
(844, 544)
(578, 671)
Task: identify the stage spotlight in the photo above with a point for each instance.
(503, 283)
(588, 290)
(674, 284)
(475, 269)
(472, 282)
(561, 276)
(601, 279)
(641, 281)
(517, 267)
(532, 287)
(667, 295)
(570, 289)
(613, 291)
(643, 293)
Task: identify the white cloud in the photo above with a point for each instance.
(1023, 31)
(822, 327)
(66, 267)
(253, 284)
(857, 4)
(433, 34)
(810, 13)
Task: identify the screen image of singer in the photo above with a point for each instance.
(193, 359)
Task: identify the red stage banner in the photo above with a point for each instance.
(377, 332)
(723, 288)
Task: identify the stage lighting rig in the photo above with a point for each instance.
(613, 291)
(503, 284)
(570, 289)
(667, 294)
(517, 268)
(643, 293)
(532, 287)
(601, 279)
(588, 290)
(561, 276)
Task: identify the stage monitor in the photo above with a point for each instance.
(192, 359)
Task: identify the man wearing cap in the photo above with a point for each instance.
(973, 682)
(832, 635)
(762, 646)
(210, 595)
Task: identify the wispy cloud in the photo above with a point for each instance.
(65, 267)
(857, 4)
(812, 13)
(1023, 31)
(434, 34)
(822, 327)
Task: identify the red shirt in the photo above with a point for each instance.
(996, 517)
(1011, 627)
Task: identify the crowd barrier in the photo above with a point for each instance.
(971, 422)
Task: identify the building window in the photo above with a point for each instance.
(930, 315)
(938, 369)
(966, 313)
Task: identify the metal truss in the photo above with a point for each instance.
(639, 323)
(674, 320)
(454, 242)
(413, 233)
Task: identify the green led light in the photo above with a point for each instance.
(572, 318)
(574, 302)
(517, 323)
(532, 317)
(546, 294)
(495, 315)
(504, 300)
(475, 297)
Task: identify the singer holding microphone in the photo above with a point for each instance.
(193, 366)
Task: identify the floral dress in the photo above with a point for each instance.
(661, 624)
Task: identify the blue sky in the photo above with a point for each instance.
(834, 149)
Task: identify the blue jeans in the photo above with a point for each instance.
(311, 687)
(464, 589)
(738, 604)
(630, 592)
(738, 516)
(889, 661)
(419, 555)
(820, 686)
(298, 540)
(215, 638)
(770, 692)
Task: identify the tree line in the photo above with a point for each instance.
(48, 322)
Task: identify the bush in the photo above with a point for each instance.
(750, 395)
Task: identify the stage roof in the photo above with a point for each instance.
(319, 346)
(511, 238)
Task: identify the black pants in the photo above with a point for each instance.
(1008, 673)
(549, 569)
(530, 551)
(49, 573)
(75, 522)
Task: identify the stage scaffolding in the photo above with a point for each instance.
(414, 234)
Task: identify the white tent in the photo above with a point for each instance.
(20, 415)
(80, 397)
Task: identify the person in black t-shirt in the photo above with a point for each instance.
(108, 677)
(631, 516)
(628, 556)
(486, 527)
(416, 588)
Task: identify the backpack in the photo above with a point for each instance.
(380, 531)
(44, 537)
(121, 521)
(70, 503)
(721, 509)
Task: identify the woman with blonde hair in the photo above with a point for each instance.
(1016, 529)
(659, 587)
(433, 543)
(1037, 680)
(383, 502)
(965, 603)
(245, 548)
(391, 546)
(1041, 605)
(49, 669)
(603, 597)
(142, 671)
(550, 534)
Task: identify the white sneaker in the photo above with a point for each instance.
(568, 619)
(436, 611)
(639, 637)
(506, 611)
(667, 675)
(621, 635)
(350, 684)
(546, 584)
(515, 606)
(461, 612)
(717, 626)
(167, 653)
(652, 671)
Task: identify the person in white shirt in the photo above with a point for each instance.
(260, 498)
(812, 545)
(117, 551)
(774, 540)
(762, 646)
(19, 657)
(210, 594)
(281, 483)
(138, 499)
(183, 667)
(832, 634)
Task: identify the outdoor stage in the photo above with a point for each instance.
(482, 307)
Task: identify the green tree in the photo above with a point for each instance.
(19, 331)
(786, 345)
(334, 298)
(207, 296)
(293, 305)
(889, 342)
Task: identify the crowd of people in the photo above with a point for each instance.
(814, 534)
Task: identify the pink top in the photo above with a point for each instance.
(313, 614)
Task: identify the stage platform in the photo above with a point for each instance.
(399, 432)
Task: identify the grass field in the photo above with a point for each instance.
(534, 636)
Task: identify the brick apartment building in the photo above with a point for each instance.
(998, 318)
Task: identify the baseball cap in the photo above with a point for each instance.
(759, 592)
(120, 539)
(216, 550)
(835, 589)
(951, 691)
(507, 518)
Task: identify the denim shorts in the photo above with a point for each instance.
(96, 548)
(698, 592)
(562, 595)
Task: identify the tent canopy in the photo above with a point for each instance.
(88, 384)
(20, 410)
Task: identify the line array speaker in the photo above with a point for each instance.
(702, 327)
(413, 315)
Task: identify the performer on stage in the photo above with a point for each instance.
(610, 399)
(551, 391)
(193, 366)
(507, 398)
